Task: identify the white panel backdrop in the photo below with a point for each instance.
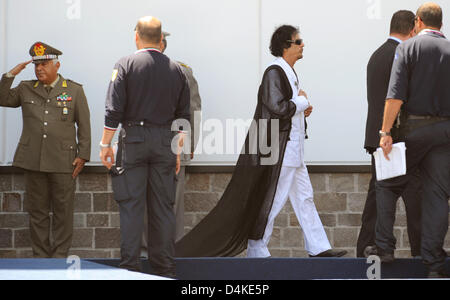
(226, 43)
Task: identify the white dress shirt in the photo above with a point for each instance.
(293, 156)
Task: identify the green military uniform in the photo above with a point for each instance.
(195, 110)
(48, 146)
(195, 106)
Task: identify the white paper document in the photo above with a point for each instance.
(394, 167)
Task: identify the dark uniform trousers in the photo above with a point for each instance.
(428, 149)
(411, 198)
(45, 193)
(148, 181)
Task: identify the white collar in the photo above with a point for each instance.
(148, 49)
(53, 84)
(286, 67)
(433, 31)
(396, 39)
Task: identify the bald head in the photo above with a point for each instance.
(431, 15)
(149, 30)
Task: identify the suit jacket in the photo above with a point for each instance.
(378, 75)
(49, 141)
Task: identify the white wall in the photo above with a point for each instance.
(226, 44)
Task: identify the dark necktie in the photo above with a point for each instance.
(48, 89)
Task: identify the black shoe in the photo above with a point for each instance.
(437, 275)
(330, 253)
(387, 258)
(166, 275)
(370, 250)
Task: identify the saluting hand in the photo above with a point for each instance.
(17, 69)
(78, 163)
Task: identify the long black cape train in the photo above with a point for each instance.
(243, 210)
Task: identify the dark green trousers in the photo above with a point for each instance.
(45, 193)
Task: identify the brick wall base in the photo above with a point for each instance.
(339, 198)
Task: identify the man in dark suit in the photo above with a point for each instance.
(378, 75)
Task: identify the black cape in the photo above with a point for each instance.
(243, 210)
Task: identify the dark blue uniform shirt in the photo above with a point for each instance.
(421, 75)
(147, 86)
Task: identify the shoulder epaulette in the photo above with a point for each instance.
(184, 65)
(71, 81)
(33, 83)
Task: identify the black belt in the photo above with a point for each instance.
(144, 124)
(431, 118)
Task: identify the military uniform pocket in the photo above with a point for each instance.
(66, 114)
(71, 150)
(30, 107)
(22, 149)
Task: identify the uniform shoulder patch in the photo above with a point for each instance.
(30, 81)
(74, 82)
(33, 83)
(184, 65)
(114, 74)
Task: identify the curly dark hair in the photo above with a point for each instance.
(280, 38)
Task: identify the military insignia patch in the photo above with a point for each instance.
(39, 50)
(114, 74)
(184, 65)
(64, 84)
(64, 97)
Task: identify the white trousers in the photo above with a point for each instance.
(294, 183)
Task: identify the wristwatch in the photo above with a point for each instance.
(383, 134)
(104, 145)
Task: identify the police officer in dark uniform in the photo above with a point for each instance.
(147, 93)
(419, 81)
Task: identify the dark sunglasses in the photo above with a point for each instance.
(297, 42)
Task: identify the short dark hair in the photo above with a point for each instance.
(431, 15)
(403, 22)
(280, 38)
(147, 33)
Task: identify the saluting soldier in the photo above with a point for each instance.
(51, 150)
